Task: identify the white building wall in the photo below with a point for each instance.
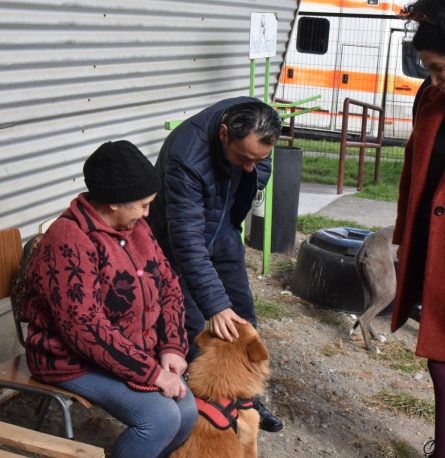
(74, 74)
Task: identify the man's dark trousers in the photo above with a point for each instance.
(227, 256)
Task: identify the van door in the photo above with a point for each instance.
(405, 74)
(356, 78)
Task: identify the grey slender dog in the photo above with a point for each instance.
(375, 266)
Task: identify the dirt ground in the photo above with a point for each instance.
(335, 398)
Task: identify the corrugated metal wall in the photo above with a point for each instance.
(76, 73)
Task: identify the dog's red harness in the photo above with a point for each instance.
(223, 414)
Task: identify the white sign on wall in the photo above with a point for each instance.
(263, 35)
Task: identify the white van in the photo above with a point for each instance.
(357, 49)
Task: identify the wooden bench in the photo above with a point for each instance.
(23, 439)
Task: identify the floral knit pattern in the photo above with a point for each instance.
(101, 298)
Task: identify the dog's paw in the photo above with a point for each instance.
(374, 349)
(381, 338)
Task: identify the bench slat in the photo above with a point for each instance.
(46, 444)
(6, 454)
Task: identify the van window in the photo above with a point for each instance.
(411, 63)
(313, 35)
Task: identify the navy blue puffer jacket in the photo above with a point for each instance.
(187, 213)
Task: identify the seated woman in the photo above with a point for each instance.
(106, 311)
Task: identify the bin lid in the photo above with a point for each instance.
(343, 240)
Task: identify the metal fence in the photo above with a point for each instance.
(363, 56)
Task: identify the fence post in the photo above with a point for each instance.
(344, 138)
(362, 144)
(361, 159)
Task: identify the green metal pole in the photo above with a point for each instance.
(252, 78)
(269, 190)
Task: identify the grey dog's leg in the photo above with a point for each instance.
(365, 322)
(365, 332)
(375, 335)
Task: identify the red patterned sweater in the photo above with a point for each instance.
(101, 297)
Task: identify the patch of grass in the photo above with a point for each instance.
(333, 349)
(324, 170)
(307, 224)
(267, 309)
(283, 267)
(408, 404)
(402, 449)
(283, 270)
(332, 147)
(398, 449)
(401, 358)
(383, 191)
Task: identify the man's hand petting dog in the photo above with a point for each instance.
(169, 380)
(222, 324)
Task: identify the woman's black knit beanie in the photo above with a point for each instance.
(117, 172)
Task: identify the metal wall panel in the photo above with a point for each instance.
(76, 73)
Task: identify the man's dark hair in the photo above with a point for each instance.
(253, 117)
(430, 34)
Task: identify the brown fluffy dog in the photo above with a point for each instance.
(223, 370)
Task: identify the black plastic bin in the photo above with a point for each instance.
(288, 164)
(325, 273)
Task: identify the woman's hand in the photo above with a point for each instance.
(171, 385)
(173, 363)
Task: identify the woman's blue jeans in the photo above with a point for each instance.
(156, 425)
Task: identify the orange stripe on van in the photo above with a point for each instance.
(356, 81)
(406, 86)
(348, 80)
(357, 5)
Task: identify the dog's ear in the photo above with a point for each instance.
(256, 350)
(202, 338)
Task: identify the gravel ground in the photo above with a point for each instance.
(335, 398)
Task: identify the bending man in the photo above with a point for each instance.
(211, 167)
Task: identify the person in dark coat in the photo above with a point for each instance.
(211, 167)
(106, 312)
(420, 224)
